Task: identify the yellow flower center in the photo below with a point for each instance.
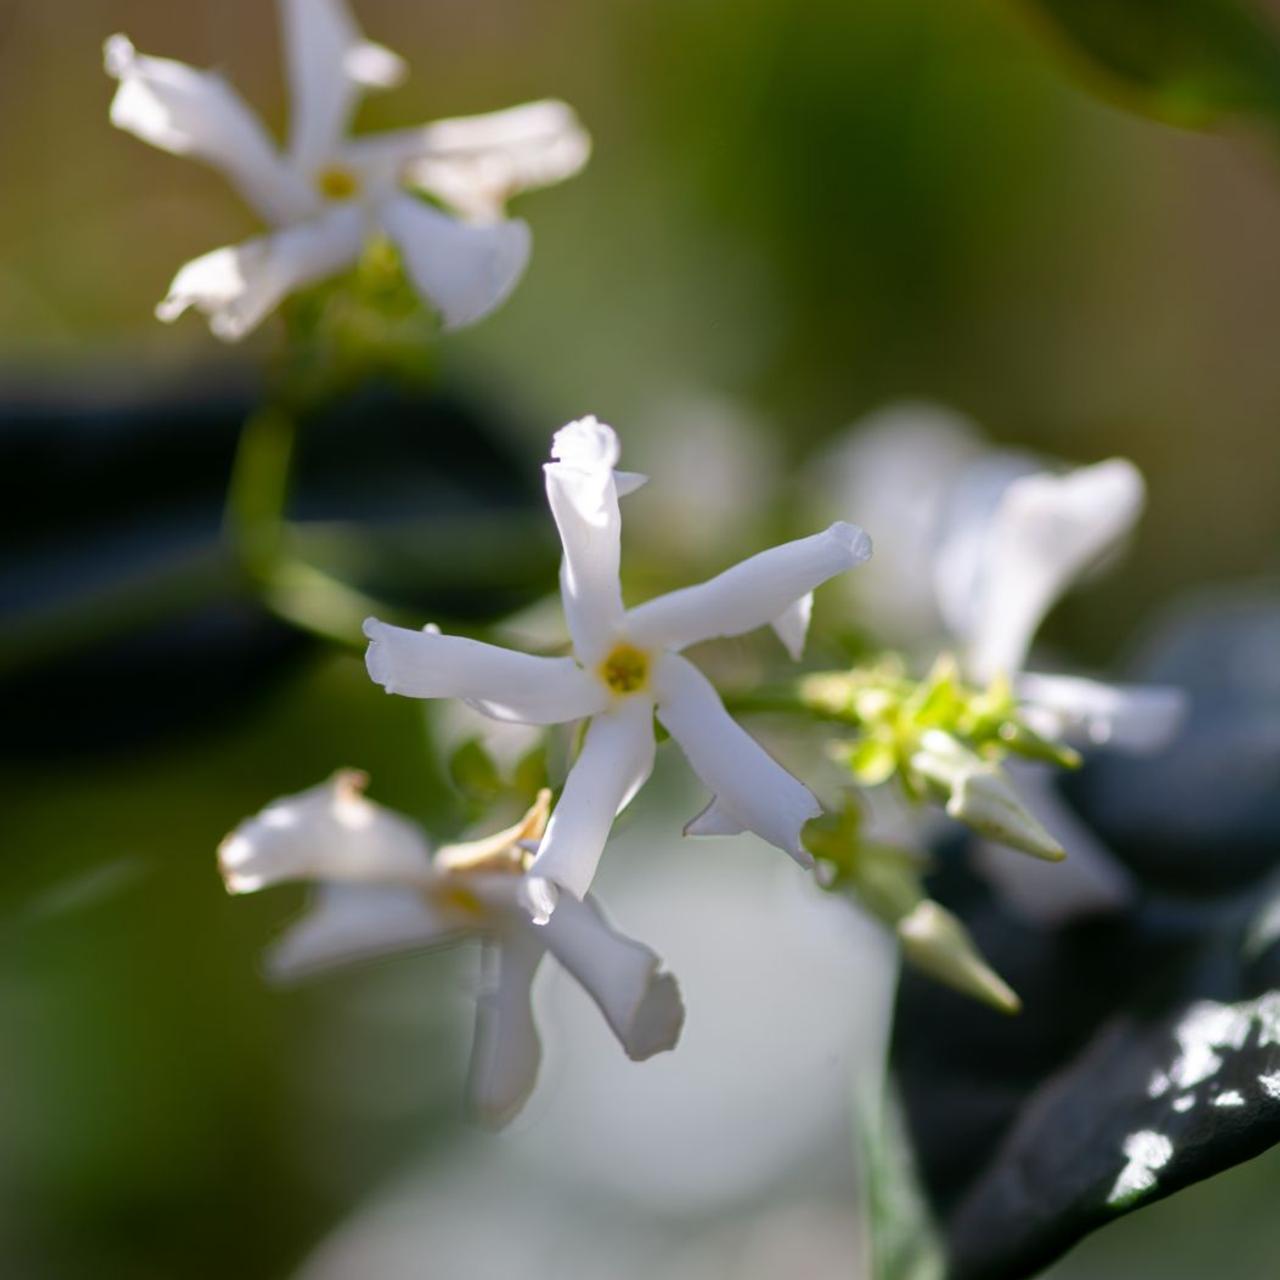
(458, 898)
(336, 183)
(626, 669)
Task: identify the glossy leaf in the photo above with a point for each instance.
(1148, 1053)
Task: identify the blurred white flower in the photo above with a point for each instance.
(327, 192)
(627, 666)
(1007, 557)
(715, 468)
(986, 544)
(381, 890)
(895, 468)
(982, 543)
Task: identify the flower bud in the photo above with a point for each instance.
(938, 944)
(980, 795)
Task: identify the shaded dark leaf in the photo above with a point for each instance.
(1148, 1054)
(122, 613)
(1149, 1059)
(1187, 61)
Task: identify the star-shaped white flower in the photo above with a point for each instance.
(328, 192)
(381, 891)
(1009, 551)
(627, 666)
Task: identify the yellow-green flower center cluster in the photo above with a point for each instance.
(336, 182)
(625, 670)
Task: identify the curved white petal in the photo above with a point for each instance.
(751, 788)
(239, 286)
(1047, 530)
(329, 832)
(714, 821)
(967, 499)
(583, 494)
(895, 468)
(1138, 718)
(475, 164)
(502, 683)
(197, 113)
(329, 62)
(792, 626)
(616, 760)
(348, 923)
(506, 1053)
(641, 1004)
(765, 588)
(463, 272)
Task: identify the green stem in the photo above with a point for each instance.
(257, 527)
(255, 513)
(784, 700)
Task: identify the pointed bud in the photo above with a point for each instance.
(985, 800)
(980, 795)
(938, 944)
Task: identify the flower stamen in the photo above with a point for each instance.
(335, 182)
(625, 670)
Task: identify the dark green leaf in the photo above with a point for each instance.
(1191, 62)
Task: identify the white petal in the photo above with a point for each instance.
(329, 62)
(506, 1052)
(765, 588)
(347, 923)
(197, 113)
(475, 164)
(714, 821)
(583, 494)
(1047, 530)
(968, 498)
(627, 482)
(239, 286)
(463, 272)
(894, 468)
(502, 683)
(623, 977)
(616, 759)
(330, 832)
(792, 626)
(1137, 718)
(751, 788)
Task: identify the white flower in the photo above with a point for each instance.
(381, 891)
(326, 193)
(1010, 549)
(627, 666)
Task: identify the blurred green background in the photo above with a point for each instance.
(794, 214)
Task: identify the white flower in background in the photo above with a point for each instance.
(996, 538)
(1015, 539)
(627, 666)
(985, 543)
(895, 468)
(1010, 549)
(381, 890)
(327, 192)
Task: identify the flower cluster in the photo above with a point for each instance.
(432, 202)
(326, 193)
(626, 670)
(382, 891)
